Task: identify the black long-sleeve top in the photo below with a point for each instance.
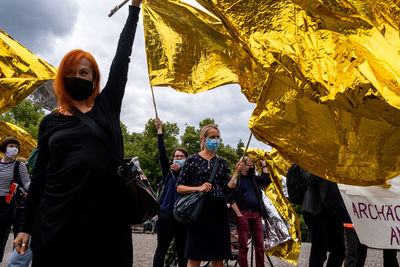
(169, 178)
(75, 192)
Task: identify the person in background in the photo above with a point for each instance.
(9, 167)
(16, 259)
(208, 238)
(249, 207)
(75, 212)
(356, 252)
(167, 226)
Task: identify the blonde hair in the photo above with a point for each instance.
(204, 132)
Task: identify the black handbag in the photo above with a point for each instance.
(187, 207)
(139, 201)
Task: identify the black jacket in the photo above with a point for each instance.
(321, 194)
(258, 182)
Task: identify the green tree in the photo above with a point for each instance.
(26, 115)
(144, 146)
(239, 148)
(228, 153)
(191, 140)
(205, 122)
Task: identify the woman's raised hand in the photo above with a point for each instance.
(136, 3)
(158, 125)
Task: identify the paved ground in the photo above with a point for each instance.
(144, 247)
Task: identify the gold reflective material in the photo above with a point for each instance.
(325, 74)
(27, 141)
(21, 72)
(277, 164)
(191, 51)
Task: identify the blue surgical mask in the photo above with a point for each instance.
(180, 162)
(212, 144)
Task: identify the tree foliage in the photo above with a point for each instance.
(144, 145)
(26, 115)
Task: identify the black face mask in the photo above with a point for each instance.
(78, 89)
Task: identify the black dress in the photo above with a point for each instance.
(208, 238)
(74, 209)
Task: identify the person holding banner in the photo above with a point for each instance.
(208, 238)
(74, 213)
(356, 252)
(167, 226)
(322, 211)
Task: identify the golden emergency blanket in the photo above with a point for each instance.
(277, 166)
(325, 75)
(21, 72)
(26, 141)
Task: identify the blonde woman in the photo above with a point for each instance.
(208, 237)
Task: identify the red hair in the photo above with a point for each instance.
(70, 61)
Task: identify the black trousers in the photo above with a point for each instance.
(356, 253)
(390, 258)
(168, 228)
(327, 235)
(7, 211)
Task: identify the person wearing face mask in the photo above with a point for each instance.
(249, 207)
(208, 238)
(75, 212)
(167, 226)
(10, 148)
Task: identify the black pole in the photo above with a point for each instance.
(269, 260)
(252, 250)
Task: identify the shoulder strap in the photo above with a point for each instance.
(214, 170)
(101, 135)
(16, 178)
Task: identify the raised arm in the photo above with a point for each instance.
(114, 90)
(264, 179)
(162, 152)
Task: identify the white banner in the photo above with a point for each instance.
(375, 213)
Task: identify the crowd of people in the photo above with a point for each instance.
(73, 213)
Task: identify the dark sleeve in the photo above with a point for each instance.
(162, 155)
(114, 90)
(263, 180)
(232, 196)
(310, 178)
(38, 181)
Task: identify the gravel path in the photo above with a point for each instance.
(144, 246)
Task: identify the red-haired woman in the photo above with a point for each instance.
(73, 212)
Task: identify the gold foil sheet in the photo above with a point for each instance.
(324, 74)
(27, 142)
(191, 51)
(21, 72)
(289, 250)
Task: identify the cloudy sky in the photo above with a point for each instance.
(52, 28)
